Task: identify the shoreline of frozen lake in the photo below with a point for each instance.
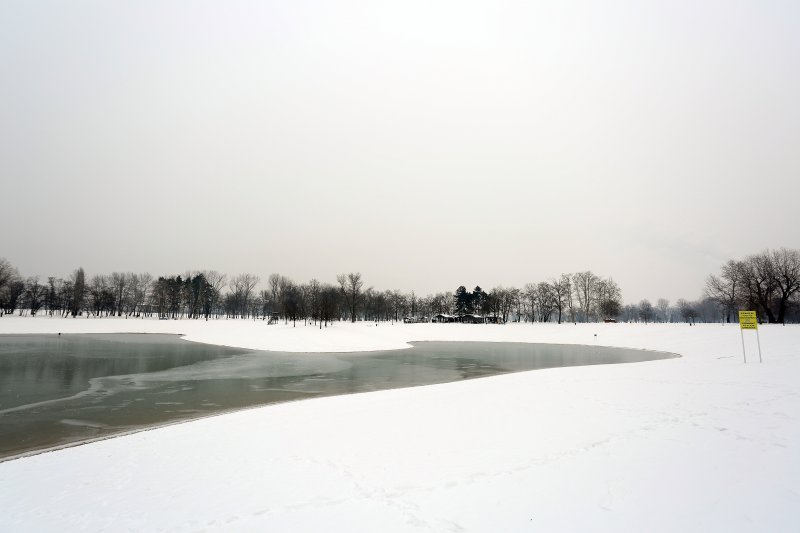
(65, 390)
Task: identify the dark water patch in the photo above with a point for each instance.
(56, 390)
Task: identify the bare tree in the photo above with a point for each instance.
(315, 300)
(66, 292)
(571, 302)
(561, 290)
(688, 310)
(608, 298)
(545, 300)
(141, 288)
(118, 284)
(515, 297)
(441, 303)
(397, 300)
(646, 310)
(329, 304)
(101, 298)
(583, 284)
(275, 283)
(291, 303)
(759, 279)
(501, 302)
(196, 290)
(726, 289)
(242, 287)
(630, 313)
(663, 309)
(350, 286)
(34, 294)
(786, 270)
(14, 294)
(216, 282)
(9, 286)
(265, 299)
(7, 272)
(531, 295)
(285, 284)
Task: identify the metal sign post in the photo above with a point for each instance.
(744, 355)
(749, 320)
(758, 340)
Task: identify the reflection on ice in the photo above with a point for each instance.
(83, 423)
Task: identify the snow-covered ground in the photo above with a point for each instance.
(700, 443)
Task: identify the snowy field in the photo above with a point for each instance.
(700, 443)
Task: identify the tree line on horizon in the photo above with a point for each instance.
(209, 294)
(768, 282)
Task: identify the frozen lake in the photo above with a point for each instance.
(56, 390)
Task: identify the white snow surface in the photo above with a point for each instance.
(699, 443)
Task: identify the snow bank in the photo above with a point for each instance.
(700, 443)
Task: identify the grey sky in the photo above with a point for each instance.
(425, 144)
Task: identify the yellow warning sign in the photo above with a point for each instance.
(748, 320)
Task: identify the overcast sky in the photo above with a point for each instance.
(426, 144)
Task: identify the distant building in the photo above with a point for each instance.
(468, 318)
(472, 319)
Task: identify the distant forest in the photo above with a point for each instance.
(768, 282)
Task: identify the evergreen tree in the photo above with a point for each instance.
(462, 301)
(478, 301)
(78, 291)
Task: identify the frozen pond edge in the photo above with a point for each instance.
(355, 354)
